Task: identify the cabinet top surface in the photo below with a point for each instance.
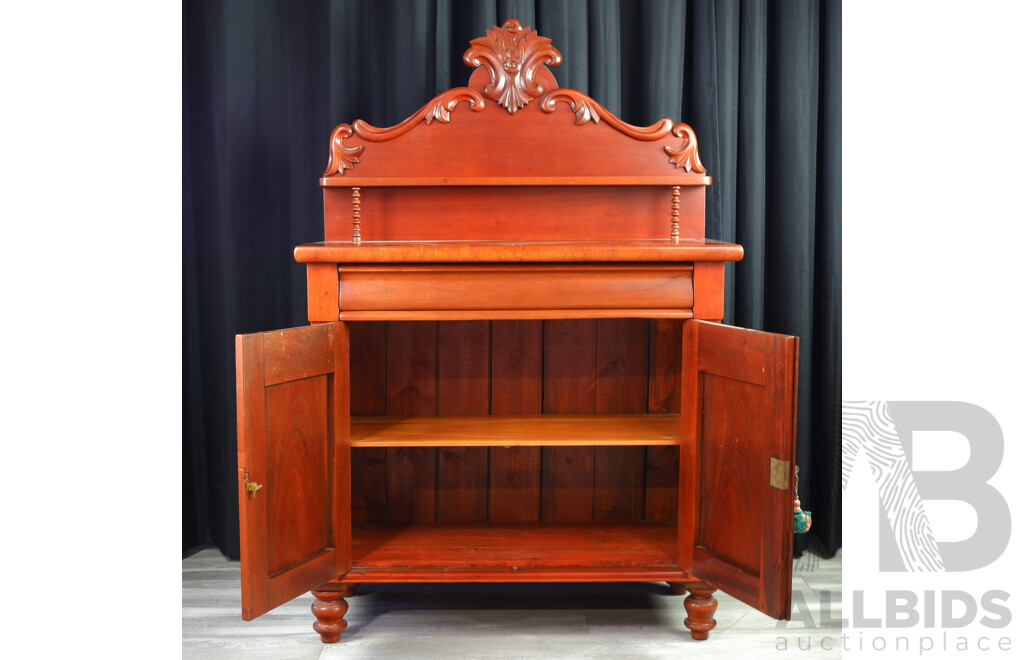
(691, 249)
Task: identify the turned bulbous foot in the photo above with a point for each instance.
(329, 608)
(700, 607)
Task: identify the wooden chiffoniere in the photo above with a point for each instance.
(515, 370)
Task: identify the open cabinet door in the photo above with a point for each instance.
(293, 462)
(736, 462)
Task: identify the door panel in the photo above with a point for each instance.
(739, 412)
(297, 467)
(293, 441)
(729, 471)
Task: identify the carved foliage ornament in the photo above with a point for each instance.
(512, 55)
(588, 110)
(343, 157)
(685, 155)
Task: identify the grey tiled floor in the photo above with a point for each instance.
(620, 620)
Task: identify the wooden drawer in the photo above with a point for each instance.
(488, 290)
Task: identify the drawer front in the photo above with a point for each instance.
(577, 287)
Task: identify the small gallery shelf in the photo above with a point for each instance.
(515, 431)
(508, 181)
(513, 552)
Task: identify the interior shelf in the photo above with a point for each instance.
(515, 430)
(442, 552)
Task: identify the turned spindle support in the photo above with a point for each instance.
(675, 215)
(356, 235)
(700, 609)
(329, 608)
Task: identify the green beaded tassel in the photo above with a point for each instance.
(801, 518)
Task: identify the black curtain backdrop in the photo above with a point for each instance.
(265, 81)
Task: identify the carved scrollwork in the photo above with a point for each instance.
(342, 157)
(512, 55)
(586, 108)
(685, 155)
(439, 108)
(442, 105)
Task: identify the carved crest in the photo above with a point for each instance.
(512, 55)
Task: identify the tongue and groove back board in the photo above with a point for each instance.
(563, 366)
